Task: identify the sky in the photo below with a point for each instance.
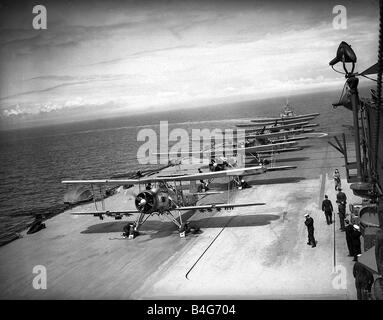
(105, 58)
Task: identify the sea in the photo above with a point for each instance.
(35, 160)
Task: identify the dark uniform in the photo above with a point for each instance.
(328, 209)
(363, 280)
(341, 199)
(349, 230)
(355, 241)
(310, 229)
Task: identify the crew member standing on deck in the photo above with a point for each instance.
(327, 209)
(349, 230)
(355, 240)
(363, 281)
(310, 229)
(337, 181)
(341, 200)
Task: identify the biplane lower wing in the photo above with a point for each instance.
(281, 151)
(225, 206)
(208, 207)
(270, 147)
(100, 214)
(281, 168)
(289, 139)
(276, 134)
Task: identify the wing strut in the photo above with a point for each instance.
(228, 191)
(172, 219)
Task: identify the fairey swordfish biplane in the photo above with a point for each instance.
(165, 194)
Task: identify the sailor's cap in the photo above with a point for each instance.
(306, 214)
(356, 227)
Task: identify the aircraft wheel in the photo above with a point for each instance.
(184, 229)
(132, 233)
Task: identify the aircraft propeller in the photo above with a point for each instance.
(145, 202)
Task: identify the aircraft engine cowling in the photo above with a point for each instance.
(146, 202)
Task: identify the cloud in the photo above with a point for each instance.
(17, 110)
(144, 54)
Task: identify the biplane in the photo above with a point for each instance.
(262, 135)
(258, 137)
(288, 116)
(282, 121)
(164, 194)
(231, 151)
(238, 149)
(308, 116)
(277, 127)
(280, 136)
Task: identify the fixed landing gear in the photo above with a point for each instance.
(186, 229)
(130, 231)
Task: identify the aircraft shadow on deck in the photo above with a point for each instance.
(292, 159)
(255, 181)
(158, 229)
(306, 146)
(283, 160)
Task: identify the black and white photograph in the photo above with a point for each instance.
(186, 150)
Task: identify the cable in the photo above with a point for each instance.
(337, 70)
(369, 78)
(334, 235)
(379, 86)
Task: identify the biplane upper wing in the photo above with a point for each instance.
(271, 146)
(286, 118)
(283, 133)
(224, 206)
(283, 121)
(190, 177)
(278, 126)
